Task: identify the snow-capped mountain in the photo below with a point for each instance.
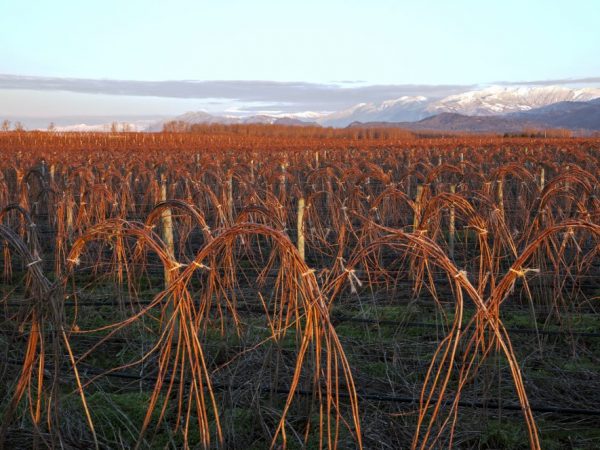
(104, 127)
(495, 100)
(501, 100)
(402, 109)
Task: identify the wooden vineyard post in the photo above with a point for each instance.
(69, 207)
(197, 163)
(411, 158)
(230, 195)
(300, 227)
(167, 228)
(20, 194)
(43, 169)
(501, 196)
(462, 170)
(282, 184)
(408, 178)
(542, 178)
(167, 232)
(452, 226)
(69, 200)
(417, 214)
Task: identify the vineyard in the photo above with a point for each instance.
(235, 288)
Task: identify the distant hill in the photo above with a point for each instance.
(457, 122)
(571, 115)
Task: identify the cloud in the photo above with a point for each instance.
(349, 82)
(560, 81)
(282, 95)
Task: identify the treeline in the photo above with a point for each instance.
(350, 133)
(289, 131)
(536, 133)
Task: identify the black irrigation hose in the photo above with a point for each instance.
(413, 362)
(361, 395)
(337, 317)
(342, 318)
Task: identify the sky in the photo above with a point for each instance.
(343, 45)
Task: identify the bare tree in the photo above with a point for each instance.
(5, 125)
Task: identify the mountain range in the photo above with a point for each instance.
(575, 116)
(492, 109)
(539, 105)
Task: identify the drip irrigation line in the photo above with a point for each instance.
(372, 350)
(370, 396)
(340, 318)
(427, 302)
